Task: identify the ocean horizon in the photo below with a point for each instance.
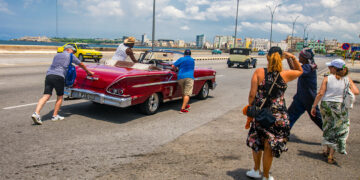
(11, 42)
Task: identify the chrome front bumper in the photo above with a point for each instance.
(98, 97)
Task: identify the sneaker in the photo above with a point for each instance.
(187, 107)
(57, 117)
(253, 174)
(183, 111)
(36, 118)
(270, 178)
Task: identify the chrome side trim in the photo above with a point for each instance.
(169, 82)
(204, 78)
(98, 97)
(153, 84)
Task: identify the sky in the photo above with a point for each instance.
(181, 19)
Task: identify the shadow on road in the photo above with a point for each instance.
(316, 156)
(238, 174)
(111, 113)
(295, 139)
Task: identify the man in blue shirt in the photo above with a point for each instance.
(186, 67)
(306, 90)
(55, 79)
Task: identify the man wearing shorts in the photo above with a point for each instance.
(55, 79)
(186, 67)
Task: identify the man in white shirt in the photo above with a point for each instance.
(124, 50)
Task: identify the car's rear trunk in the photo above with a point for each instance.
(102, 78)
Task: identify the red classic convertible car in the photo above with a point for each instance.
(146, 84)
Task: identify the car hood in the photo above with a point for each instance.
(238, 58)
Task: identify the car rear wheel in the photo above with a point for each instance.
(81, 58)
(230, 65)
(97, 60)
(204, 92)
(247, 65)
(151, 105)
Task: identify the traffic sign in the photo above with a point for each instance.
(345, 46)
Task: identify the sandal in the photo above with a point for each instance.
(325, 153)
(331, 160)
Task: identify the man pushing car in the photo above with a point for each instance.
(55, 79)
(186, 67)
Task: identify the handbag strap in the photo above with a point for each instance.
(272, 86)
(71, 58)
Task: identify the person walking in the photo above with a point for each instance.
(124, 50)
(272, 140)
(185, 76)
(335, 116)
(55, 79)
(306, 90)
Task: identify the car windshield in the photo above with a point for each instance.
(240, 51)
(83, 46)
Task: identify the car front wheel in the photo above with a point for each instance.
(151, 105)
(204, 92)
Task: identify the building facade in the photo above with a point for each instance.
(200, 41)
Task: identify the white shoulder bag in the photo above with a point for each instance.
(349, 97)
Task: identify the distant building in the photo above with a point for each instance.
(180, 43)
(166, 42)
(282, 44)
(260, 44)
(36, 39)
(292, 41)
(143, 39)
(331, 45)
(200, 41)
(248, 42)
(317, 46)
(223, 42)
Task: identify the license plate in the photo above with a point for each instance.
(87, 96)
(95, 56)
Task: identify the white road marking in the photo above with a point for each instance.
(13, 107)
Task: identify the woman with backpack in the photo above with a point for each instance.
(271, 140)
(334, 111)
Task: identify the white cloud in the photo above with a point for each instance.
(171, 11)
(186, 28)
(336, 24)
(4, 8)
(105, 8)
(266, 26)
(28, 3)
(330, 3)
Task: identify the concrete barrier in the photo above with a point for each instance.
(210, 58)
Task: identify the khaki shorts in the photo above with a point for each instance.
(187, 86)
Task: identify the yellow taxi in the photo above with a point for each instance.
(83, 51)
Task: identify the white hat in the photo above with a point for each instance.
(338, 63)
(69, 47)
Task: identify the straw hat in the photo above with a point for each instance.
(129, 40)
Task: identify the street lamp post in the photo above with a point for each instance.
(272, 11)
(292, 33)
(236, 21)
(305, 27)
(153, 28)
(56, 34)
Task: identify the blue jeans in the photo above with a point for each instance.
(297, 108)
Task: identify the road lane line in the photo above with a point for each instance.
(13, 107)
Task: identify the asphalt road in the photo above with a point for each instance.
(94, 138)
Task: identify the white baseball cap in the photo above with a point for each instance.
(338, 63)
